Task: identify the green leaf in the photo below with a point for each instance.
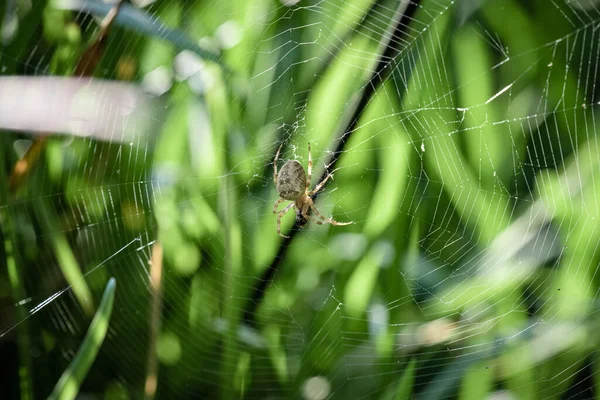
(70, 381)
(243, 373)
(67, 261)
(394, 152)
(362, 281)
(405, 385)
(477, 382)
(484, 140)
(132, 18)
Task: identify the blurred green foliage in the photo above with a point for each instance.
(470, 176)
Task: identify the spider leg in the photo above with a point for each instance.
(309, 168)
(328, 220)
(320, 185)
(275, 164)
(313, 219)
(279, 201)
(316, 221)
(304, 213)
(281, 214)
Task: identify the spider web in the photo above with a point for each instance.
(470, 177)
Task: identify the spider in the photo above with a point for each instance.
(292, 185)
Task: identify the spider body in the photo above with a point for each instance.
(293, 185)
(291, 180)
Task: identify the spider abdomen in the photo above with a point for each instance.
(291, 180)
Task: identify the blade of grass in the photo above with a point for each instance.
(477, 382)
(64, 254)
(233, 246)
(71, 380)
(23, 342)
(393, 157)
(156, 274)
(361, 283)
(405, 385)
(131, 18)
(16, 280)
(475, 85)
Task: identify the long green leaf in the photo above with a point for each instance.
(405, 385)
(67, 261)
(132, 18)
(70, 381)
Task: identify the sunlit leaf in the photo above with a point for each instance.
(70, 381)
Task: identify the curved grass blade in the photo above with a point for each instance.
(70, 381)
(132, 18)
(404, 389)
(67, 262)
